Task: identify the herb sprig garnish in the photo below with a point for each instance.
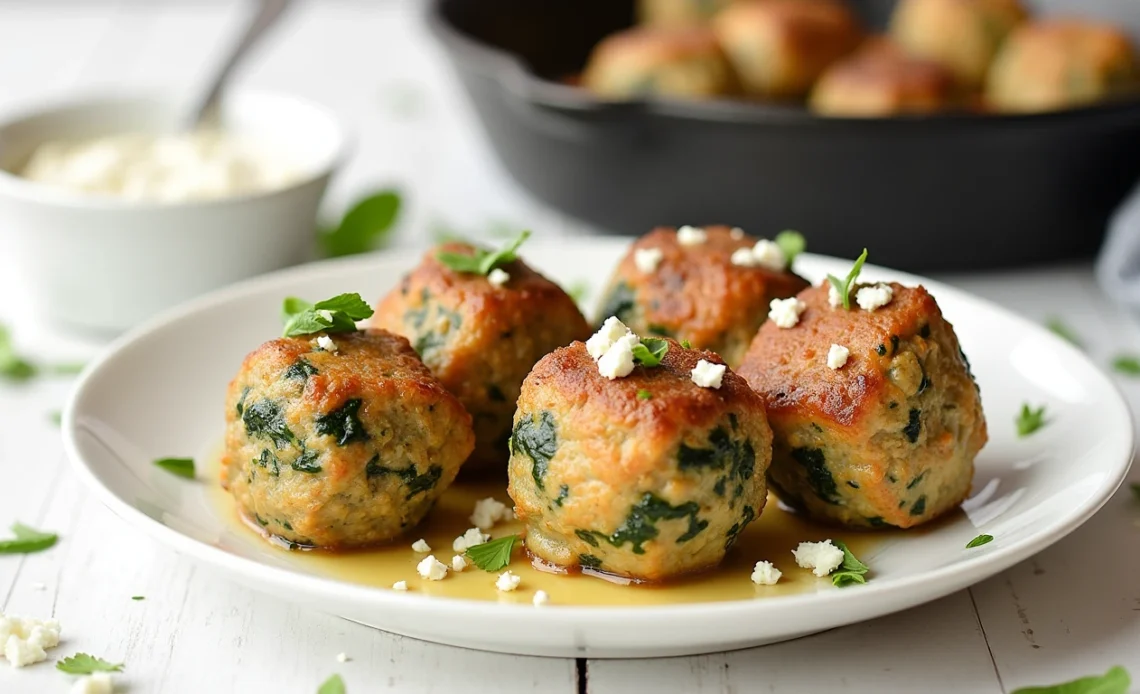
(363, 227)
(650, 351)
(1058, 327)
(12, 366)
(493, 555)
(482, 261)
(333, 685)
(844, 286)
(644, 395)
(1127, 364)
(979, 541)
(791, 244)
(182, 467)
(84, 664)
(851, 571)
(27, 540)
(1029, 420)
(336, 315)
(1115, 681)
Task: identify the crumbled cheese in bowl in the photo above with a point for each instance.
(691, 236)
(874, 296)
(647, 259)
(432, 569)
(785, 313)
(498, 277)
(821, 557)
(707, 374)
(837, 356)
(26, 641)
(489, 511)
(765, 574)
(469, 539)
(507, 581)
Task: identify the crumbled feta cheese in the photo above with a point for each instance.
(785, 313)
(837, 356)
(458, 563)
(707, 374)
(691, 236)
(541, 598)
(432, 569)
(421, 545)
(472, 537)
(821, 557)
(95, 683)
(873, 297)
(326, 314)
(507, 581)
(834, 297)
(647, 259)
(617, 362)
(342, 657)
(489, 511)
(736, 233)
(25, 641)
(498, 277)
(612, 330)
(765, 574)
(743, 257)
(768, 255)
(400, 585)
(326, 343)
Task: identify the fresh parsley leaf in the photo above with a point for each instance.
(1127, 364)
(83, 664)
(364, 225)
(686, 344)
(336, 315)
(644, 395)
(27, 540)
(333, 685)
(1056, 326)
(183, 467)
(493, 555)
(792, 243)
(350, 305)
(1115, 681)
(979, 541)
(650, 351)
(13, 367)
(136, 598)
(851, 571)
(844, 286)
(482, 261)
(1029, 420)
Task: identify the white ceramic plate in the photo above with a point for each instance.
(160, 390)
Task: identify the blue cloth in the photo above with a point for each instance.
(1118, 266)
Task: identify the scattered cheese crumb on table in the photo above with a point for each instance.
(26, 641)
(837, 356)
(507, 581)
(765, 574)
(95, 683)
(821, 557)
(342, 657)
(707, 374)
(432, 569)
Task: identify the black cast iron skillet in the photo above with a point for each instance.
(954, 191)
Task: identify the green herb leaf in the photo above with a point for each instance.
(336, 315)
(1127, 364)
(792, 243)
(844, 286)
(1058, 328)
(56, 417)
(483, 261)
(686, 344)
(1029, 420)
(1115, 681)
(83, 664)
(650, 351)
(333, 685)
(183, 467)
(350, 305)
(138, 597)
(979, 541)
(13, 367)
(364, 225)
(27, 540)
(644, 395)
(1136, 490)
(493, 555)
(851, 571)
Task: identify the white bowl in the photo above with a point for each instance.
(105, 263)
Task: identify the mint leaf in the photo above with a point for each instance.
(482, 261)
(979, 541)
(182, 467)
(333, 685)
(844, 286)
(350, 305)
(791, 243)
(364, 225)
(1058, 328)
(650, 351)
(13, 367)
(1115, 681)
(27, 540)
(851, 571)
(493, 555)
(1127, 364)
(1029, 420)
(84, 664)
(336, 315)
(644, 395)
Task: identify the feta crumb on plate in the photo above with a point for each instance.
(326, 343)
(400, 585)
(421, 545)
(785, 313)
(707, 374)
(472, 537)
(768, 255)
(507, 581)
(541, 598)
(691, 236)
(432, 569)
(821, 557)
(873, 297)
(617, 362)
(342, 657)
(647, 259)
(837, 356)
(489, 511)
(26, 641)
(765, 574)
(458, 563)
(95, 683)
(606, 336)
(498, 277)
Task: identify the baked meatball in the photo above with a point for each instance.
(884, 436)
(1061, 63)
(647, 476)
(481, 339)
(340, 448)
(677, 13)
(779, 47)
(882, 80)
(639, 62)
(696, 292)
(962, 35)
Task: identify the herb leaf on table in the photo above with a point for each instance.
(1127, 364)
(84, 664)
(333, 685)
(493, 555)
(979, 541)
(27, 540)
(12, 366)
(364, 226)
(1115, 681)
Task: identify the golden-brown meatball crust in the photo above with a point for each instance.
(344, 448)
(480, 340)
(779, 47)
(677, 13)
(882, 80)
(638, 62)
(1061, 63)
(696, 293)
(645, 486)
(962, 35)
(887, 439)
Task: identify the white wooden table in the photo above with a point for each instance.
(1072, 610)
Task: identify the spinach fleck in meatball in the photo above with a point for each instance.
(647, 476)
(340, 448)
(481, 339)
(639, 62)
(676, 13)
(888, 437)
(882, 80)
(779, 47)
(696, 292)
(1061, 63)
(962, 35)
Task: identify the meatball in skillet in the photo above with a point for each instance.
(875, 415)
(640, 62)
(709, 286)
(882, 80)
(678, 13)
(340, 441)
